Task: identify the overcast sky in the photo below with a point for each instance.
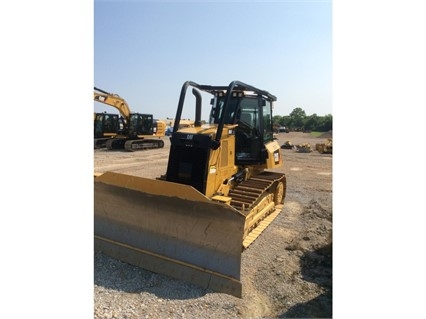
(144, 51)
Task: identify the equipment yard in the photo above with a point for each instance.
(285, 273)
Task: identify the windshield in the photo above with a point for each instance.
(217, 111)
(246, 112)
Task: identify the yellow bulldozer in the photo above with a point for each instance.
(216, 197)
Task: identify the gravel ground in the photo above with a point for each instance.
(286, 272)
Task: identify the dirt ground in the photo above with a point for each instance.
(286, 272)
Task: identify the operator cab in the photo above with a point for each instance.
(106, 124)
(141, 124)
(253, 114)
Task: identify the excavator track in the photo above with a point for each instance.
(115, 143)
(143, 144)
(260, 198)
(100, 142)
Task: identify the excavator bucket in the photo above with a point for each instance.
(169, 228)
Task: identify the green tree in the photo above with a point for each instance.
(325, 123)
(299, 120)
(311, 122)
(297, 117)
(276, 120)
(286, 121)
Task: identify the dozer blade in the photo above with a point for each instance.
(170, 229)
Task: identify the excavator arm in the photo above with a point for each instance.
(113, 100)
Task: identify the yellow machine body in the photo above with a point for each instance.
(194, 222)
(140, 131)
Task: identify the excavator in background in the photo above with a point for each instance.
(107, 126)
(218, 194)
(136, 131)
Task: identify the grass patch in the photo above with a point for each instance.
(317, 134)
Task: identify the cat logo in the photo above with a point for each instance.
(189, 136)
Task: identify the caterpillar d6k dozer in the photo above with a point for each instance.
(216, 197)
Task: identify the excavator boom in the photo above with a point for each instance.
(113, 100)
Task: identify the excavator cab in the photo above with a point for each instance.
(140, 124)
(106, 125)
